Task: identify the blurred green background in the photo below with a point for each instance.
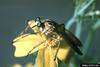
(13, 19)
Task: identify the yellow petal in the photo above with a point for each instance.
(25, 43)
(40, 58)
(64, 52)
(52, 56)
(45, 58)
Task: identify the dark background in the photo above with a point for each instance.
(15, 13)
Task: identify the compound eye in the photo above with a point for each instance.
(37, 21)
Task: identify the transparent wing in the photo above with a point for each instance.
(73, 41)
(70, 38)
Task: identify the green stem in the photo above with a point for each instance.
(85, 7)
(96, 25)
(81, 11)
(70, 22)
(78, 29)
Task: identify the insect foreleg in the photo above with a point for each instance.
(24, 30)
(35, 47)
(55, 56)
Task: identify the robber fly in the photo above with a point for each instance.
(55, 33)
(50, 28)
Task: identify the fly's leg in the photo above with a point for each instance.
(24, 30)
(35, 47)
(55, 56)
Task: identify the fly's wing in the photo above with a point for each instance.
(73, 41)
(27, 43)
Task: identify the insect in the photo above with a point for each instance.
(49, 38)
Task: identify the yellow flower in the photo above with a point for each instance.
(51, 42)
